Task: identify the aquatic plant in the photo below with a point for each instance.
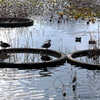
(77, 9)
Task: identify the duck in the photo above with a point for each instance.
(46, 45)
(88, 22)
(4, 44)
(78, 39)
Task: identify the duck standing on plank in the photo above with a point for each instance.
(4, 44)
(46, 45)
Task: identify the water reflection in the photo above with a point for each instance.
(25, 57)
(93, 57)
(45, 57)
(38, 84)
(45, 72)
(4, 56)
(15, 81)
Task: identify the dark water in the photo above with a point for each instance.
(51, 83)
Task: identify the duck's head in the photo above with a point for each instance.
(1, 41)
(49, 40)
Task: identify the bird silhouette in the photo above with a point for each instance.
(46, 45)
(4, 45)
(78, 39)
(45, 58)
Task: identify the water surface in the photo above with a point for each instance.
(50, 83)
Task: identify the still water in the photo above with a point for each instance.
(51, 83)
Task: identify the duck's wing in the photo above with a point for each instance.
(5, 45)
(45, 45)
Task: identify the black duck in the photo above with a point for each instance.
(46, 45)
(4, 45)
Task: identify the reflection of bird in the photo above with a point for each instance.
(4, 45)
(45, 72)
(45, 58)
(46, 45)
(3, 56)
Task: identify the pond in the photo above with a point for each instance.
(50, 83)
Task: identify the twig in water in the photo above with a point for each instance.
(63, 86)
